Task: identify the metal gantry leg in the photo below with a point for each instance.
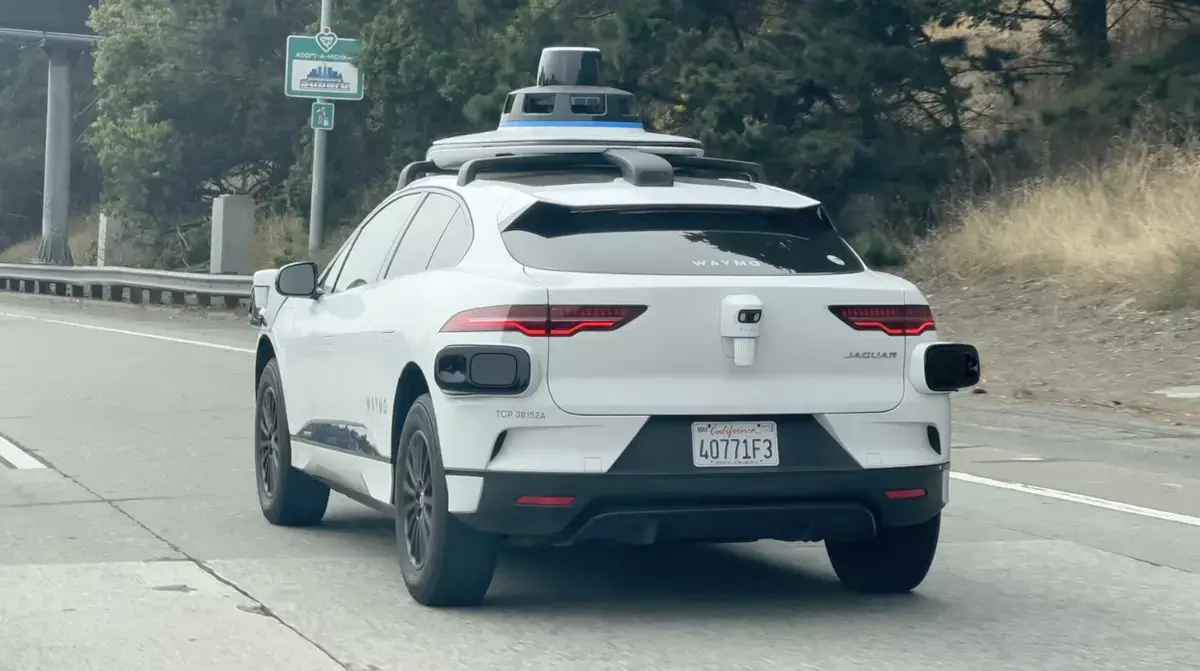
(56, 189)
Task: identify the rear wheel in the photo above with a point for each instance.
(287, 496)
(894, 561)
(444, 562)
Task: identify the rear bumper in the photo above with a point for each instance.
(834, 505)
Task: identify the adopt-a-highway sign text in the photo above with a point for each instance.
(322, 66)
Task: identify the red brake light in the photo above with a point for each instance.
(894, 320)
(900, 494)
(544, 320)
(554, 501)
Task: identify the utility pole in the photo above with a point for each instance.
(316, 204)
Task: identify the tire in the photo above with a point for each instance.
(287, 496)
(444, 562)
(893, 562)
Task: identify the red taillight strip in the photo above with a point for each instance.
(900, 494)
(580, 326)
(543, 320)
(542, 330)
(894, 320)
(552, 501)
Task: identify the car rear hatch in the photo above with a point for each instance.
(636, 306)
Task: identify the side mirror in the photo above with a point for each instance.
(297, 279)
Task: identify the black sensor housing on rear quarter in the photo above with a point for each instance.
(482, 369)
(951, 366)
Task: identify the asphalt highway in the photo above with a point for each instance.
(130, 539)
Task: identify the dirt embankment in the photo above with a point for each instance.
(1083, 289)
(1040, 343)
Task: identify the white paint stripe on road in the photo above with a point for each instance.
(16, 456)
(1084, 499)
(139, 334)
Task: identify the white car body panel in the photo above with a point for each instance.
(670, 359)
(342, 355)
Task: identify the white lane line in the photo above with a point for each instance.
(139, 334)
(16, 456)
(1084, 499)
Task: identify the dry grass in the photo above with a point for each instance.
(1129, 227)
(280, 240)
(81, 240)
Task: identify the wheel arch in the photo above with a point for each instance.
(411, 385)
(262, 356)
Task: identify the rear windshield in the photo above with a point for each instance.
(679, 241)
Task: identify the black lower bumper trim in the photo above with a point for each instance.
(838, 505)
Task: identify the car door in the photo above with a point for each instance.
(381, 350)
(299, 353)
(332, 325)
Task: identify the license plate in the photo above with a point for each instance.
(727, 444)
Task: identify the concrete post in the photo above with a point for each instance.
(232, 236)
(56, 187)
(106, 240)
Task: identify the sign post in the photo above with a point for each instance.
(322, 67)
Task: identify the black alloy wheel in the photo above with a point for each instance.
(268, 443)
(444, 562)
(287, 496)
(416, 501)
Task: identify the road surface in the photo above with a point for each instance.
(1072, 541)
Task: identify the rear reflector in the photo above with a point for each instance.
(543, 320)
(545, 500)
(894, 320)
(896, 494)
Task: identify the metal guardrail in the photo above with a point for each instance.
(137, 285)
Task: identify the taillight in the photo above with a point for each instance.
(552, 501)
(895, 320)
(544, 320)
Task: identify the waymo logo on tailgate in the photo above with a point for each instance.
(722, 264)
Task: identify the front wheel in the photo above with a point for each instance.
(893, 562)
(444, 562)
(287, 496)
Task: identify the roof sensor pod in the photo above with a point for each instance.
(570, 66)
(570, 112)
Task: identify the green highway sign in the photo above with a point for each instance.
(322, 116)
(322, 66)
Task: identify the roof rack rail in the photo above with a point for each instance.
(754, 171)
(416, 170)
(637, 167)
(641, 168)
